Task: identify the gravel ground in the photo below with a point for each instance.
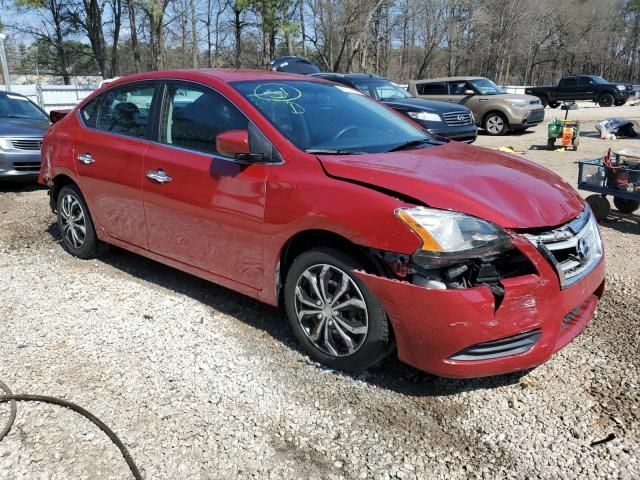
(203, 383)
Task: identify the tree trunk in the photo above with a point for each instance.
(137, 64)
(117, 23)
(194, 35)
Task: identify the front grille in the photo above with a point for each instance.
(458, 119)
(504, 347)
(535, 116)
(573, 249)
(26, 166)
(26, 143)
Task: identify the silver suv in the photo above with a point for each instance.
(495, 110)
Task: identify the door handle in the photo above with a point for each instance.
(158, 176)
(86, 158)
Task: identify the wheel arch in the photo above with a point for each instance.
(59, 181)
(308, 239)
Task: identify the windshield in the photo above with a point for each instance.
(325, 118)
(17, 106)
(382, 90)
(484, 86)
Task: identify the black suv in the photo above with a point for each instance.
(442, 119)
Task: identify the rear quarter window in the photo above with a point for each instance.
(89, 113)
(432, 89)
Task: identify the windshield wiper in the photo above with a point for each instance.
(329, 151)
(413, 143)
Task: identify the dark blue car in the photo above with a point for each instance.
(447, 120)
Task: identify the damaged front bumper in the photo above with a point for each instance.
(466, 333)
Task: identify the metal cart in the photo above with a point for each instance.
(616, 174)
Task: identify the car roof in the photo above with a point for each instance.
(6, 92)
(226, 75)
(447, 79)
(350, 76)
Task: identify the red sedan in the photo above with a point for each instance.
(309, 195)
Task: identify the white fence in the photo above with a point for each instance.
(52, 97)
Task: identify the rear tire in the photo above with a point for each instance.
(625, 205)
(496, 124)
(76, 226)
(350, 338)
(600, 206)
(606, 100)
(543, 101)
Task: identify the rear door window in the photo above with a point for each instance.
(568, 82)
(126, 110)
(439, 88)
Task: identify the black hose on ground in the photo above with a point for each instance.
(12, 399)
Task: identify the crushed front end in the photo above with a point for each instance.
(495, 314)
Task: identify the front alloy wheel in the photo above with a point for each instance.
(335, 317)
(331, 310)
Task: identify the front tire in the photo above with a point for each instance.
(332, 313)
(606, 100)
(76, 226)
(554, 104)
(619, 103)
(496, 124)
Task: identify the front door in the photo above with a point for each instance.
(202, 208)
(109, 156)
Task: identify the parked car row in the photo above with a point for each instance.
(373, 236)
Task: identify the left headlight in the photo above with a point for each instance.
(451, 236)
(5, 144)
(622, 88)
(425, 116)
(519, 103)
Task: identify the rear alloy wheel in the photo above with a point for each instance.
(496, 123)
(606, 100)
(75, 224)
(333, 314)
(600, 206)
(626, 205)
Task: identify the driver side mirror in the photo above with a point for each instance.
(469, 92)
(235, 143)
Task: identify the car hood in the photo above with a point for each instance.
(417, 104)
(504, 189)
(21, 127)
(513, 96)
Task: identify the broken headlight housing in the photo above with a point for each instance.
(449, 237)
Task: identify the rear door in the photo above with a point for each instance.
(568, 89)
(202, 208)
(109, 155)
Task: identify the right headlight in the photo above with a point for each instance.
(425, 116)
(449, 236)
(5, 144)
